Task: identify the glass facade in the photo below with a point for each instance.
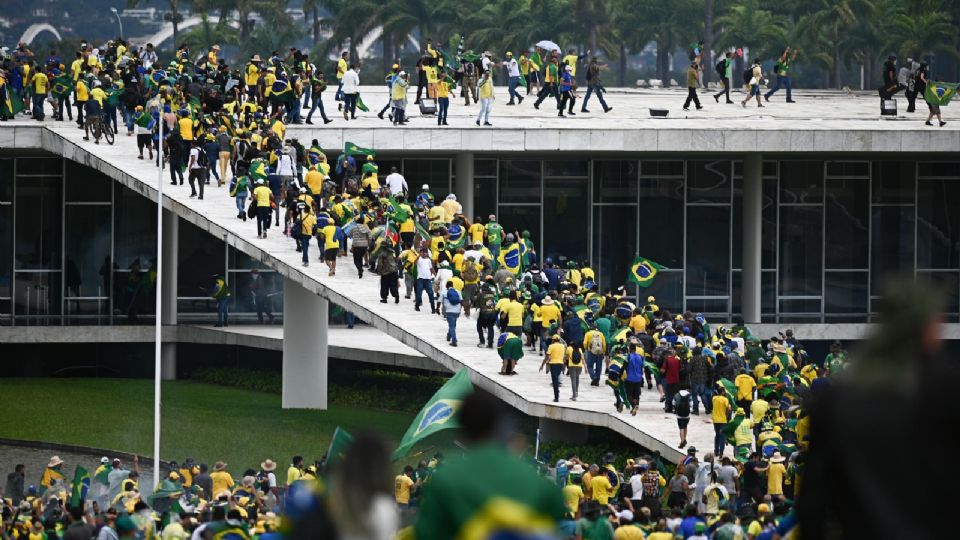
(77, 248)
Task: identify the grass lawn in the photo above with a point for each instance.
(205, 422)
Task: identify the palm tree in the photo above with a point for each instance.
(430, 17)
(499, 26)
(831, 25)
(749, 26)
(923, 34)
(668, 23)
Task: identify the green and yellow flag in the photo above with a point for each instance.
(643, 271)
(438, 414)
(940, 93)
(339, 445)
(62, 86)
(81, 484)
(351, 149)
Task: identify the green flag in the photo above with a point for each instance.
(166, 492)
(351, 149)
(652, 367)
(61, 86)
(102, 475)
(11, 105)
(81, 484)
(438, 414)
(940, 93)
(730, 390)
(399, 213)
(731, 427)
(339, 445)
(361, 105)
(643, 271)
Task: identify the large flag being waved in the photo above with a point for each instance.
(438, 414)
(643, 271)
(729, 390)
(940, 93)
(81, 485)
(351, 149)
(510, 258)
(339, 445)
(62, 86)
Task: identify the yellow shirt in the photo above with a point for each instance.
(83, 94)
(293, 474)
(638, 323)
(514, 311)
(401, 488)
(758, 409)
(431, 72)
(572, 495)
(457, 283)
(571, 60)
(330, 238)
(40, 83)
(486, 88)
(601, 489)
(574, 362)
(314, 181)
(443, 90)
(279, 128)
(745, 385)
(743, 435)
(186, 128)
(341, 68)
(775, 474)
(262, 195)
(221, 481)
(75, 68)
(549, 314)
(628, 532)
(721, 406)
(98, 95)
(476, 232)
(555, 353)
(252, 75)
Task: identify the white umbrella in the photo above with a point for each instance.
(548, 45)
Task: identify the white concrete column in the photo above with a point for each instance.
(558, 430)
(168, 304)
(752, 231)
(464, 183)
(304, 348)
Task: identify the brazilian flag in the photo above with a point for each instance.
(257, 170)
(11, 105)
(351, 149)
(81, 485)
(510, 258)
(731, 427)
(940, 93)
(399, 213)
(62, 86)
(457, 236)
(339, 444)
(643, 271)
(729, 390)
(438, 414)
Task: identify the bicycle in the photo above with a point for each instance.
(99, 127)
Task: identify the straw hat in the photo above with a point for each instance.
(54, 461)
(268, 465)
(777, 458)
(547, 300)
(219, 466)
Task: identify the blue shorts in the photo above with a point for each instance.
(754, 89)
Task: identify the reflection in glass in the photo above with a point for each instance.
(134, 228)
(87, 267)
(708, 250)
(522, 218)
(893, 182)
(847, 223)
(667, 289)
(37, 298)
(566, 213)
(6, 249)
(938, 224)
(892, 242)
(801, 182)
(201, 256)
(708, 181)
(519, 181)
(38, 231)
(615, 181)
(86, 184)
(433, 172)
(846, 292)
(566, 168)
(615, 236)
(660, 211)
(484, 197)
(801, 255)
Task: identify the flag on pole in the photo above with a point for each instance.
(643, 271)
(81, 485)
(438, 414)
(351, 149)
(339, 445)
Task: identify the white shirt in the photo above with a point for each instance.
(195, 158)
(351, 82)
(396, 183)
(148, 58)
(688, 341)
(285, 166)
(485, 63)
(443, 275)
(477, 255)
(424, 268)
(513, 68)
(741, 347)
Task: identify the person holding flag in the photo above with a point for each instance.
(52, 475)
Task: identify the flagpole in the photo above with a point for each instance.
(159, 308)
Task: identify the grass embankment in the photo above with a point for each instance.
(203, 421)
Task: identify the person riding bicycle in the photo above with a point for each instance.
(94, 113)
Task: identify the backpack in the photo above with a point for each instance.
(470, 273)
(596, 344)
(242, 147)
(776, 67)
(201, 157)
(683, 406)
(747, 75)
(453, 296)
(721, 67)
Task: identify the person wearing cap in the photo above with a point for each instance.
(118, 475)
(220, 292)
(494, 235)
(513, 78)
(720, 416)
(389, 79)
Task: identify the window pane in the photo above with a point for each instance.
(134, 228)
(616, 235)
(37, 297)
(201, 257)
(565, 168)
(243, 300)
(519, 181)
(708, 251)
(484, 197)
(708, 307)
(893, 182)
(86, 312)
(801, 182)
(6, 248)
(946, 284)
(87, 264)
(85, 184)
(615, 181)
(45, 166)
(938, 224)
(661, 168)
(800, 306)
(660, 213)
(133, 294)
(708, 181)
(768, 233)
(39, 213)
(6, 180)
(769, 169)
(434, 172)
(801, 243)
(892, 243)
(939, 168)
(848, 168)
(845, 292)
(768, 292)
(524, 218)
(667, 289)
(241, 261)
(847, 223)
(484, 167)
(565, 215)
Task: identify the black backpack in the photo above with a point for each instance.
(683, 406)
(201, 157)
(721, 67)
(747, 75)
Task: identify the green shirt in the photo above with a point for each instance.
(784, 68)
(494, 234)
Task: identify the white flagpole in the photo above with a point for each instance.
(157, 320)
